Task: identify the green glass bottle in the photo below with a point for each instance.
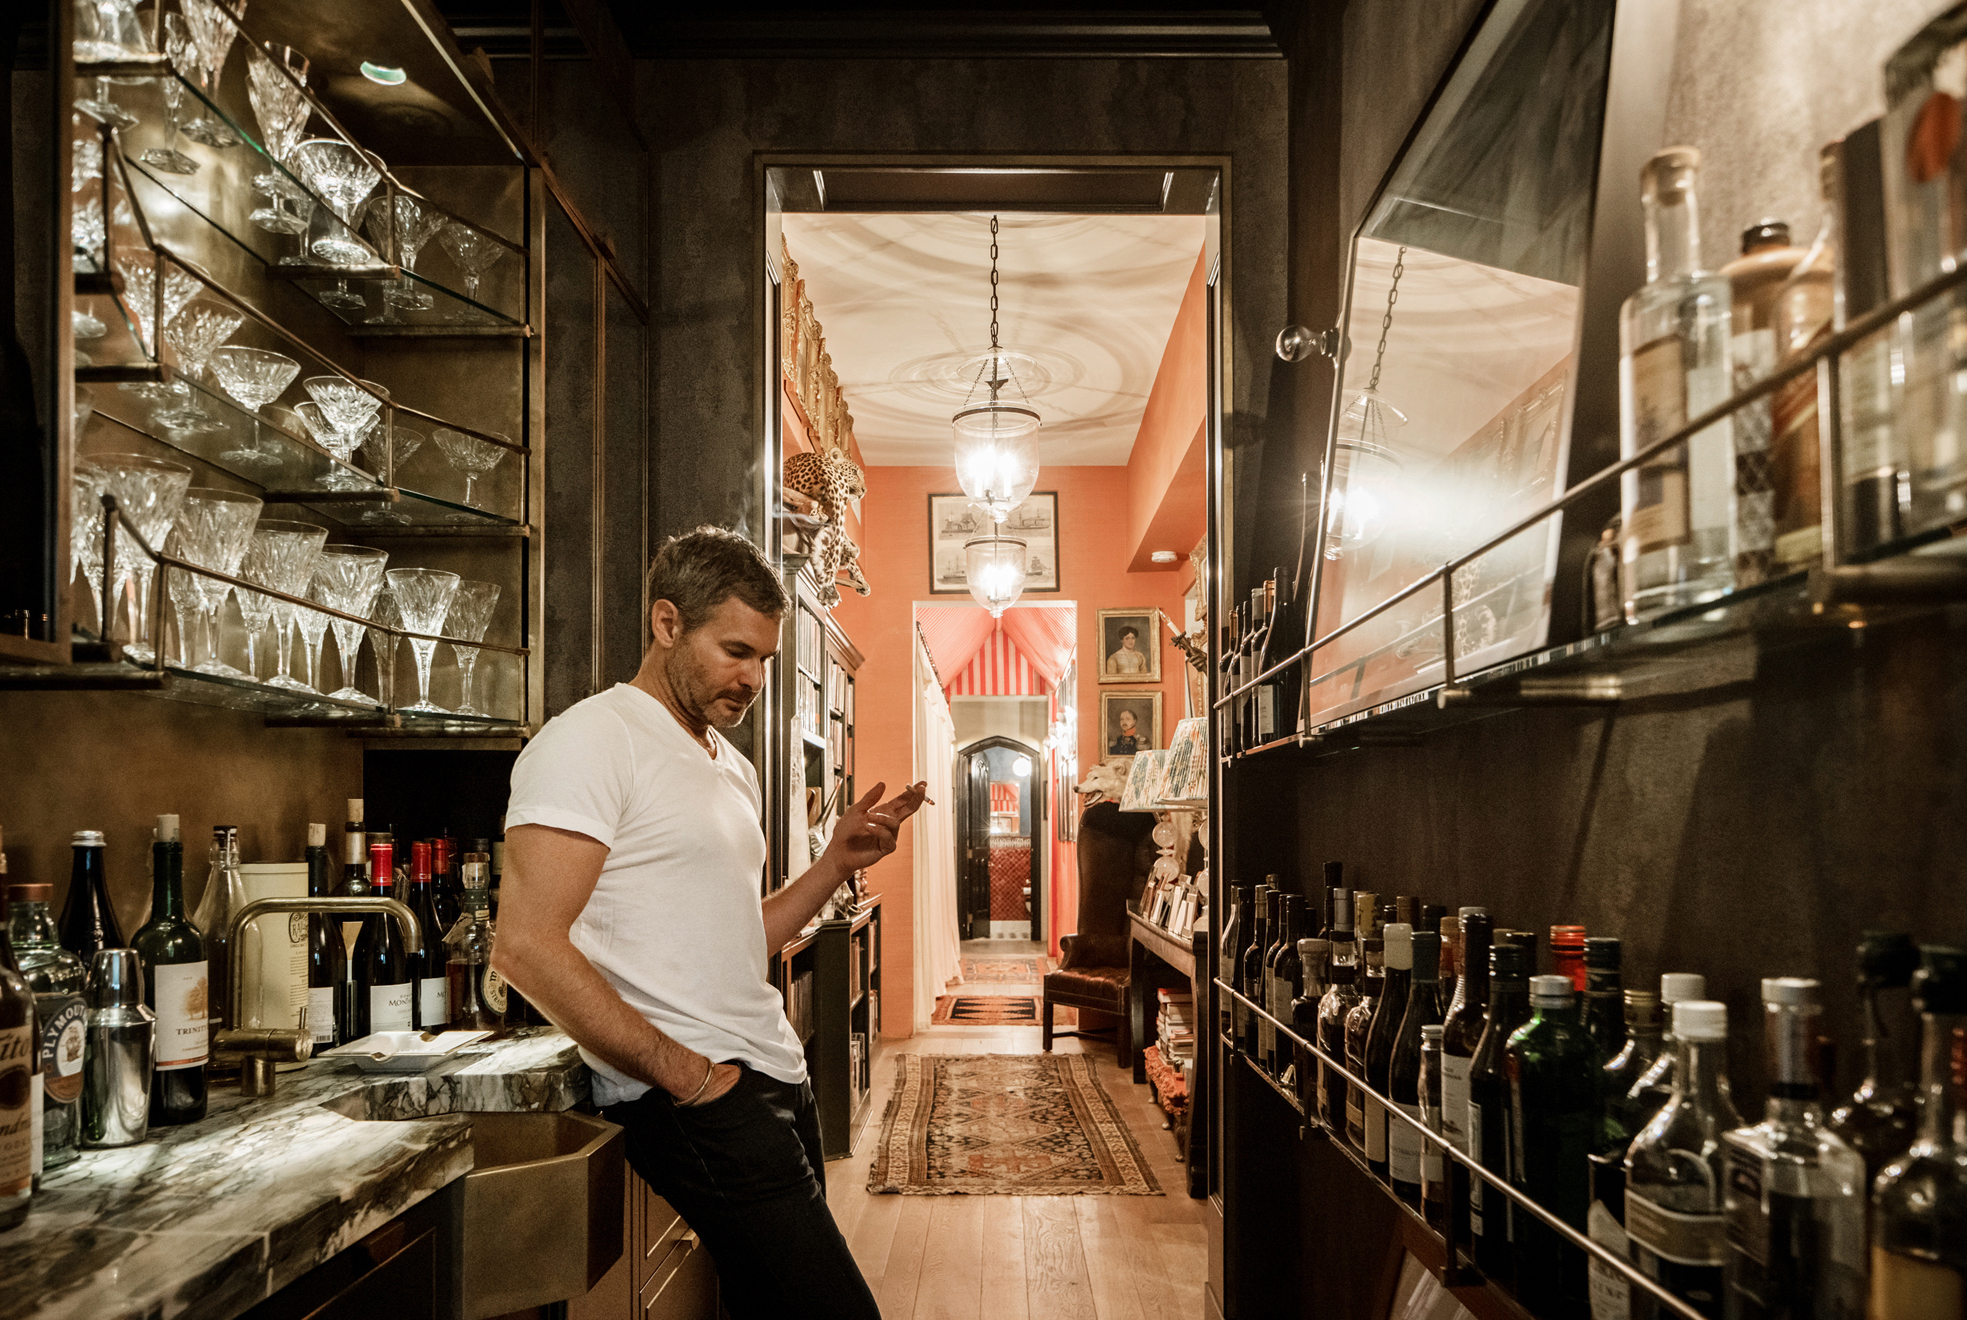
(176, 984)
(1552, 1064)
(1488, 1103)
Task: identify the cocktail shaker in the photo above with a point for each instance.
(119, 1053)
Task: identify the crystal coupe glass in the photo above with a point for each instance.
(211, 41)
(468, 454)
(424, 595)
(338, 441)
(150, 492)
(351, 575)
(471, 611)
(280, 557)
(255, 377)
(475, 254)
(178, 45)
(388, 449)
(194, 336)
(212, 531)
(282, 111)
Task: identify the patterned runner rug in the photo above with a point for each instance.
(986, 1011)
(1005, 1124)
(1004, 971)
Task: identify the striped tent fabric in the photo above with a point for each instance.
(999, 669)
(1003, 799)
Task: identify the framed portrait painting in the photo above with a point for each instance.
(1130, 722)
(952, 522)
(1130, 646)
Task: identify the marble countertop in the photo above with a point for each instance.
(202, 1221)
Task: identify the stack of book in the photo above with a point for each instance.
(1176, 1026)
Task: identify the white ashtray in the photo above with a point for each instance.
(404, 1051)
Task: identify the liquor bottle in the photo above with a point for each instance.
(1919, 1203)
(20, 1084)
(1525, 940)
(1620, 1118)
(1655, 1086)
(1253, 664)
(427, 964)
(1337, 909)
(225, 894)
(444, 852)
(1434, 1169)
(1754, 280)
(1266, 993)
(1407, 1152)
(1567, 955)
(382, 973)
(1341, 998)
(1488, 1107)
(1286, 982)
(1251, 981)
(1461, 1027)
(1236, 934)
(1880, 1120)
(88, 919)
(1450, 930)
(176, 986)
(1365, 915)
(498, 869)
(355, 854)
(1380, 1036)
(1312, 956)
(1226, 677)
(57, 978)
(1552, 1066)
(1674, 1169)
(1407, 909)
(1795, 1194)
(1604, 1014)
(1358, 1025)
(1806, 307)
(468, 954)
(1673, 366)
(1267, 601)
(328, 1004)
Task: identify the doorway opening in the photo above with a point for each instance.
(1000, 821)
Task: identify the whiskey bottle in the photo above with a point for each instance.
(1488, 1107)
(58, 979)
(1567, 955)
(1620, 1117)
(1673, 366)
(88, 919)
(1881, 1119)
(1461, 1030)
(1795, 1192)
(176, 985)
(1407, 1152)
(1286, 973)
(1604, 1015)
(1754, 280)
(1312, 956)
(1380, 1037)
(1358, 1025)
(1806, 307)
(20, 1083)
(1552, 1064)
(1655, 1086)
(1674, 1170)
(1434, 1172)
(1253, 972)
(1340, 999)
(1919, 1204)
(1236, 934)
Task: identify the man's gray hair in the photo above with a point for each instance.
(700, 570)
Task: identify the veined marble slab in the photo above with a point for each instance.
(202, 1221)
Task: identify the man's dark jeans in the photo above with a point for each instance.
(745, 1171)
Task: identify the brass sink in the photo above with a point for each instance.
(542, 1216)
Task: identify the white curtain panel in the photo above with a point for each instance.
(938, 941)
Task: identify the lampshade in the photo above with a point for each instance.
(1366, 474)
(1187, 783)
(996, 565)
(1145, 782)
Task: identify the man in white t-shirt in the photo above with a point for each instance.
(630, 914)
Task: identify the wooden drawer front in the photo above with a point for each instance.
(661, 1228)
(684, 1286)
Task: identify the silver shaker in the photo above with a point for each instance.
(119, 1054)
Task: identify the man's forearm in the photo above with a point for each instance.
(563, 984)
(788, 911)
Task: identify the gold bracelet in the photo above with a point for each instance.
(709, 1070)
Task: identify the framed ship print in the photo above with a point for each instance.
(952, 521)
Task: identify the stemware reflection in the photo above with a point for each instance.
(211, 41)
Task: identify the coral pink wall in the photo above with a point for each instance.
(1167, 494)
(1094, 507)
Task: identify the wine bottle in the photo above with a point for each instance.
(176, 986)
(1264, 710)
(1567, 954)
(20, 1083)
(1488, 1105)
(427, 965)
(88, 919)
(1553, 1096)
(1285, 971)
(1434, 1169)
(58, 979)
(1880, 1120)
(1461, 1029)
(225, 893)
(1340, 999)
(1620, 1118)
(1604, 1012)
(1399, 940)
(468, 955)
(444, 858)
(1358, 1025)
(1279, 936)
(1409, 1158)
(1674, 1170)
(1312, 973)
(1337, 910)
(382, 974)
(1236, 934)
(1449, 980)
(327, 956)
(1251, 981)
(355, 854)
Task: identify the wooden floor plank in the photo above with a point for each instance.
(1055, 1264)
(1109, 1272)
(903, 1277)
(952, 1264)
(1004, 1291)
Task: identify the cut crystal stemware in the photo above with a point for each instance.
(150, 492)
(338, 441)
(85, 533)
(423, 595)
(313, 625)
(350, 576)
(194, 336)
(383, 642)
(139, 267)
(471, 611)
(475, 254)
(417, 222)
(282, 111)
(280, 557)
(107, 30)
(343, 177)
(212, 531)
(178, 45)
(255, 377)
(87, 234)
(469, 455)
(211, 39)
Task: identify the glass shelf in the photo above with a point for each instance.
(289, 469)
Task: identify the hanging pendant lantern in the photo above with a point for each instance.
(996, 459)
(1367, 488)
(996, 568)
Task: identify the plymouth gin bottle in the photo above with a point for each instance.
(57, 978)
(1795, 1193)
(1673, 366)
(1674, 1170)
(176, 986)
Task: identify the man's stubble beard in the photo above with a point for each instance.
(697, 695)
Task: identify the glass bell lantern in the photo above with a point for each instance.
(996, 457)
(1366, 475)
(996, 566)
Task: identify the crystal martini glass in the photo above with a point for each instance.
(417, 222)
(471, 611)
(343, 177)
(469, 455)
(475, 254)
(388, 449)
(139, 267)
(350, 576)
(255, 377)
(85, 532)
(280, 557)
(423, 595)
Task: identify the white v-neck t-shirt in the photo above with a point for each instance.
(674, 922)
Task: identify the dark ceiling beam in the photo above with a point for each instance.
(956, 34)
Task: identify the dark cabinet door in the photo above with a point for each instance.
(974, 881)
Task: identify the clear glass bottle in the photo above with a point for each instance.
(468, 955)
(1674, 364)
(1341, 998)
(1654, 1088)
(1806, 309)
(1919, 1204)
(1795, 1193)
(57, 978)
(1881, 1119)
(1553, 1097)
(1674, 1170)
(225, 894)
(1434, 1169)
(1755, 279)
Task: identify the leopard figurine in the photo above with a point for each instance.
(851, 565)
(831, 480)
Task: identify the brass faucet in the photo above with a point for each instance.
(261, 1048)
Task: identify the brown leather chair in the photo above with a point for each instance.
(1115, 855)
